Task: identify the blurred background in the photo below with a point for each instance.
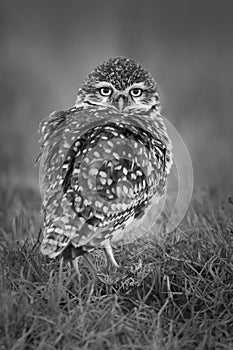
(48, 47)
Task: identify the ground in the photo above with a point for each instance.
(179, 298)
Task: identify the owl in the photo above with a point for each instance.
(104, 162)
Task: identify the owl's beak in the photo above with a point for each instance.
(120, 102)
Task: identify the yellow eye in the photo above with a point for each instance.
(136, 92)
(105, 91)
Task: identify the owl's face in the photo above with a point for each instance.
(120, 83)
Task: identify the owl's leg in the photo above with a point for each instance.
(76, 267)
(87, 258)
(90, 264)
(75, 264)
(91, 283)
(109, 255)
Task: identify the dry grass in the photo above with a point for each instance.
(181, 297)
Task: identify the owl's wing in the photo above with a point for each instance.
(161, 147)
(51, 123)
(54, 146)
(47, 127)
(113, 184)
(51, 137)
(98, 179)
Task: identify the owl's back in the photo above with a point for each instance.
(100, 170)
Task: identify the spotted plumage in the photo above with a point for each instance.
(104, 162)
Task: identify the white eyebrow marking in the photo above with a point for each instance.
(104, 84)
(140, 85)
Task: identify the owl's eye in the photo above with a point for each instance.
(136, 92)
(105, 91)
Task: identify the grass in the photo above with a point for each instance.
(180, 298)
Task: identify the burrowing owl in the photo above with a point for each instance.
(104, 162)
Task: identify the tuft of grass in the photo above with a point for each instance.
(175, 294)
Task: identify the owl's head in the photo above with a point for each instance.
(120, 83)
